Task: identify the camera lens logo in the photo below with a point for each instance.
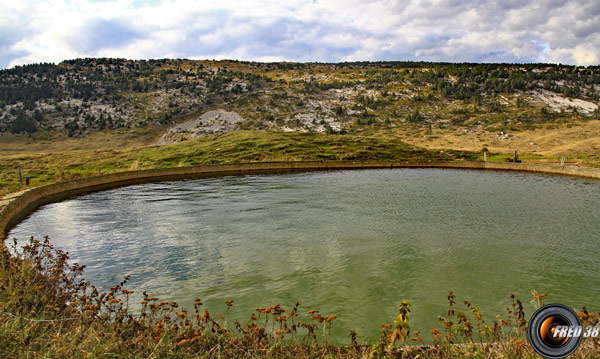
(554, 331)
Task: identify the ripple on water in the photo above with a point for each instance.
(350, 243)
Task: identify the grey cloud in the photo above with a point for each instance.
(9, 37)
(6, 57)
(516, 29)
(507, 31)
(430, 30)
(103, 34)
(281, 37)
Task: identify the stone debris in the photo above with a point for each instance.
(210, 122)
(559, 103)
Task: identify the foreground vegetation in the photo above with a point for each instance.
(47, 310)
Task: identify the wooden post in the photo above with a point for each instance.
(516, 157)
(485, 156)
(562, 161)
(62, 173)
(20, 176)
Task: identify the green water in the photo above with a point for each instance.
(350, 243)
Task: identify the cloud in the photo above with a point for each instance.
(8, 38)
(303, 30)
(99, 34)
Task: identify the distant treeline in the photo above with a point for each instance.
(85, 78)
(115, 83)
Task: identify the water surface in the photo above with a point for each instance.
(350, 243)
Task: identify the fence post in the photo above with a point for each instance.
(485, 156)
(20, 176)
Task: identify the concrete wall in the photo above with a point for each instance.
(22, 206)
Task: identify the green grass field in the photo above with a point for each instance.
(231, 147)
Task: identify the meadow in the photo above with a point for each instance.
(41, 156)
(42, 167)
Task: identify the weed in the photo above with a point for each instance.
(48, 311)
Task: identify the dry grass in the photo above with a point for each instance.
(572, 139)
(52, 142)
(48, 311)
(235, 146)
(41, 156)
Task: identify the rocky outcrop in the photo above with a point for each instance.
(209, 122)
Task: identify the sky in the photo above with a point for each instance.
(553, 31)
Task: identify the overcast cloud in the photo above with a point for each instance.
(302, 30)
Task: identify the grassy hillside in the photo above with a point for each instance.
(88, 95)
(98, 104)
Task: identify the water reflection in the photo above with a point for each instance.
(351, 243)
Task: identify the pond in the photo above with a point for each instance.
(350, 243)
